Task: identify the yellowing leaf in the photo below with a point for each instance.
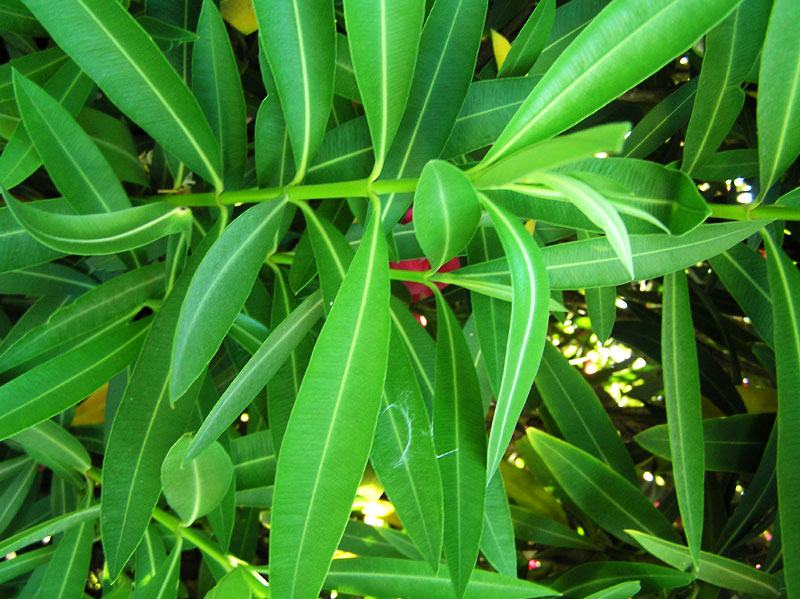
(501, 46)
(759, 400)
(92, 410)
(240, 14)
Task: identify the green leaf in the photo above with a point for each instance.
(70, 87)
(52, 446)
(622, 590)
(51, 527)
(535, 528)
(193, 487)
(164, 584)
(551, 153)
(14, 494)
(729, 164)
(414, 580)
(101, 305)
(784, 284)
(145, 427)
(419, 345)
(487, 108)
(99, 234)
(20, 565)
(149, 555)
(663, 120)
(713, 569)
(384, 38)
(273, 153)
(217, 85)
(446, 211)
(404, 457)
(300, 44)
(460, 440)
(66, 573)
(605, 496)
(778, 112)
(233, 585)
(597, 209)
(63, 381)
(265, 362)
(732, 444)
(530, 311)
(731, 49)
(591, 577)
(580, 416)
(623, 45)
(254, 460)
(682, 399)
(75, 164)
(219, 289)
(18, 249)
(114, 50)
(350, 354)
(115, 141)
(497, 537)
(445, 65)
(37, 66)
(17, 19)
(530, 41)
(602, 310)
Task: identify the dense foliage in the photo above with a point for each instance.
(299, 311)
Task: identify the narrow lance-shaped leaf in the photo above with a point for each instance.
(269, 357)
(145, 427)
(80, 172)
(51, 527)
(63, 381)
(623, 45)
(606, 497)
(784, 283)
(100, 234)
(446, 211)
(404, 457)
(52, 446)
(460, 439)
(114, 50)
(299, 38)
(778, 111)
(342, 390)
(530, 311)
(384, 38)
(14, 494)
(530, 41)
(164, 584)
(682, 393)
(219, 289)
(497, 536)
(218, 87)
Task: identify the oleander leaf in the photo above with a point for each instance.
(114, 50)
(299, 38)
(350, 354)
(591, 577)
(624, 44)
(446, 211)
(497, 536)
(683, 404)
(164, 584)
(219, 289)
(530, 41)
(383, 36)
(50, 527)
(52, 446)
(530, 312)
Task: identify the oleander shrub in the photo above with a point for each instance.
(399, 298)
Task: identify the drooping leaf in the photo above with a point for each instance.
(218, 291)
(384, 39)
(195, 486)
(350, 354)
(682, 399)
(259, 370)
(530, 41)
(217, 86)
(446, 211)
(580, 416)
(18, 249)
(784, 284)
(623, 45)
(300, 44)
(716, 570)
(610, 500)
(99, 234)
(404, 457)
(114, 50)
(458, 433)
(778, 112)
(530, 311)
(66, 379)
(75, 164)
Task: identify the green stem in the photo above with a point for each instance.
(745, 212)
